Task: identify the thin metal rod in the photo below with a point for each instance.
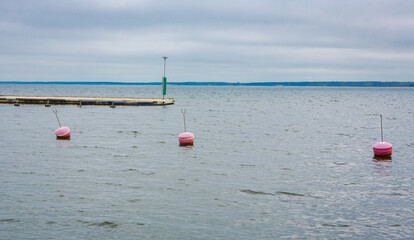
(382, 136)
(55, 112)
(165, 64)
(183, 111)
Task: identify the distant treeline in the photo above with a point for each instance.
(297, 84)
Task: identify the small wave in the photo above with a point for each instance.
(129, 132)
(396, 194)
(340, 163)
(9, 220)
(130, 170)
(247, 165)
(105, 224)
(248, 191)
(336, 225)
(290, 194)
(344, 135)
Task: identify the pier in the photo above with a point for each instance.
(105, 101)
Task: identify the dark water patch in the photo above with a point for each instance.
(99, 147)
(396, 194)
(336, 225)
(220, 174)
(121, 156)
(370, 226)
(247, 165)
(134, 200)
(140, 224)
(344, 135)
(133, 132)
(396, 225)
(248, 191)
(290, 194)
(105, 224)
(224, 205)
(340, 163)
(114, 184)
(172, 189)
(349, 184)
(130, 170)
(278, 193)
(81, 170)
(9, 220)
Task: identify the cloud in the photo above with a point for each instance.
(207, 41)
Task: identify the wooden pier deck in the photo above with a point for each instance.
(61, 100)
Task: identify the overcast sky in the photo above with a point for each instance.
(212, 40)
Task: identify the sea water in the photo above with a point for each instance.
(267, 163)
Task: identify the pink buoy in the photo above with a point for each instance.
(62, 133)
(186, 138)
(382, 149)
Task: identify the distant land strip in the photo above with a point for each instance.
(294, 84)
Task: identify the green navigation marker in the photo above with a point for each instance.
(164, 80)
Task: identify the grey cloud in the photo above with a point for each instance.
(208, 40)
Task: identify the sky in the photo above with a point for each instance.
(207, 41)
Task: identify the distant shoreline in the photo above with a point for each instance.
(294, 84)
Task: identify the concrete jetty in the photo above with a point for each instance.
(61, 100)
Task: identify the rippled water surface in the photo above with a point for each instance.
(268, 163)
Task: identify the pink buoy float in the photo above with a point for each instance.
(185, 138)
(62, 133)
(382, 149)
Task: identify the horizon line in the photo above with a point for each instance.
(303, 83)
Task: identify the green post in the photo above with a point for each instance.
(164, 80)
(164, 86)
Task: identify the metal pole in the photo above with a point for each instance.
(165, 63)
(183, 112)
(55, 111)
(382, 136)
